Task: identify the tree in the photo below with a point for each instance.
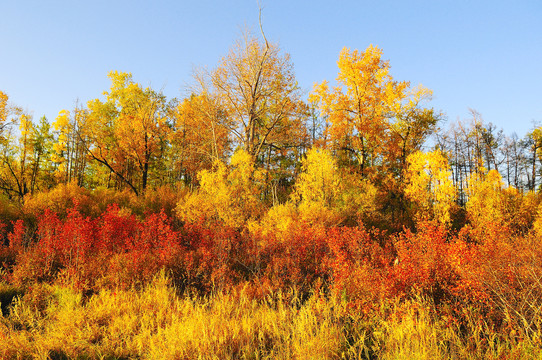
(412, 126)
(319, 181)
(534, 142)
(127, 133)
(315, 200)
(369, 111)
(327, 195)
(228, 194)
(41, 168)
(429, 186)
(474, 146)
(22, 158)
(8, 118)
(3, 112)
(513, 157)
(486, 203)
(256, 87)
(197, 139)
(69, 151)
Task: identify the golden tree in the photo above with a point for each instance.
(486, 194)
(429, 186)
(318, 188)
(198, 139)
(256, 87)
(324, 195)
(127, 132)
(3, 111)
(69, 151)
(371, 115)
(22, 157)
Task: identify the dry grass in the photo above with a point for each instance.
(156, 324)
(55, 322)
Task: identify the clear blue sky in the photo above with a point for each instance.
(485, 55)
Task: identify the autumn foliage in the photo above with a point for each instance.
(349, 226)
(493, 270)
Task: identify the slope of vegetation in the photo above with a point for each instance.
(243, 222)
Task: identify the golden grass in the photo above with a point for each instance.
(51, 321)
(156, 324)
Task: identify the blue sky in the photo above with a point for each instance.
(485, 55)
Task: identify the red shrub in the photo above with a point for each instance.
(423, 264)
(216, 257)
(17, 237)
(299, 261)
(2, 232)
(70, 241)
(359, 266)
(115, 230)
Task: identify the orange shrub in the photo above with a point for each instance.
(422, 264)
(359, 266)
(298, 261)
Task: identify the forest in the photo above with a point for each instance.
(252, 220)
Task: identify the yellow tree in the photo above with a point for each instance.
(22, 157)
(324, 195)
(328, 195)
(256, 87)
(13, 152)
(409, 129)
(363, 106)
(486, 204)
(429, 186)
(69, 151)
(198, 139)
(127, 132)
(24, 152)
(8, 118)
(318, 188)
(3, 112)
(16, 163)
(42, 146)
(534, 140)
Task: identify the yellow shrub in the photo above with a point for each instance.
(58, 199)
(280, 220)
(228, 194)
